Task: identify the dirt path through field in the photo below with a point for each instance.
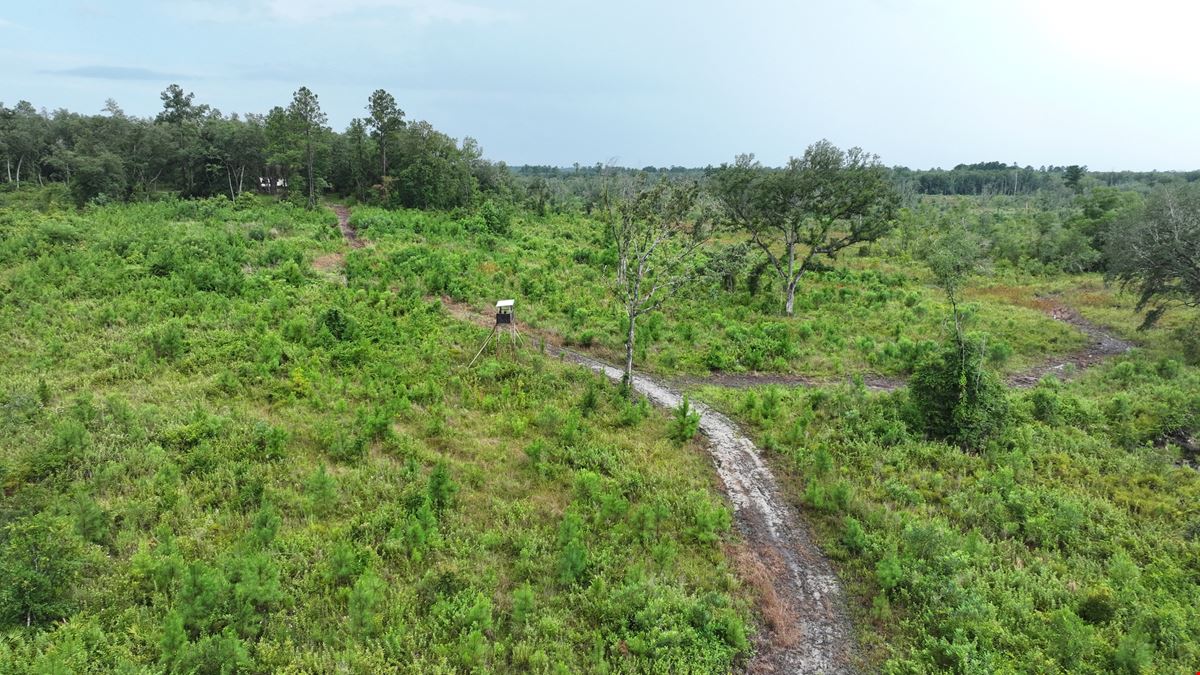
(348, 231)
(809, 626)
(1102, 345)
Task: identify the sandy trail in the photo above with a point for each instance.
(813, 632)
(810, 631)
(1102, 345)
(348, 231)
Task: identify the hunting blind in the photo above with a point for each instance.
(504, 322)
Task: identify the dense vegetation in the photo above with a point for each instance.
(1069, 543)
(229, 441)
(1052, 529)
(197, 151)
(215, 457)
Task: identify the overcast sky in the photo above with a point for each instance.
(920, 82)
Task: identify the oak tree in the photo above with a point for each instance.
(808, 211)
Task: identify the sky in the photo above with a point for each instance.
(1110, 84)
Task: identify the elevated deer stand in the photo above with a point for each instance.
(504, 323)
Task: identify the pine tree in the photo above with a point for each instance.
(39, 564)
(366, 603)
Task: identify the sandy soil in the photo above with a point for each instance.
(1101, 346)
(343, 216)
(808, 627)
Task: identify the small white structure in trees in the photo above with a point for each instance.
(504, 311)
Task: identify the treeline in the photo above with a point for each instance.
(197, 151)
(998, 178)
(576, 187)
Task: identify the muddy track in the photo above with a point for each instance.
(820, 638)
(810, 629)
(348, 231)
(1102, 345)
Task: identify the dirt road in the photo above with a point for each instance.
(1102, 345)
(811, 630)
(348, 231)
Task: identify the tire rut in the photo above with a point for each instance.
(348, 231)
(814, 633)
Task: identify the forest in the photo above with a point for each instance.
(828, 416)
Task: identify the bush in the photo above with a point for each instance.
(573, 558)
(685, 422)
(955, 399)
(1100, 606)
(39, 564)
(1189, 339)
(167, 340)
(366, 605)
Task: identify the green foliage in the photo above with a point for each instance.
(685, 422)
(1153, 253)
(954, 398)
(167, 340)
(265, 525)
(1060, 546)
(40, 564)
(573, 556)
(441, 488)
(228, 535)
(321, 489)
(855, 537)
(366, 604)
(810, 210)
(91, 522)
(523, 604)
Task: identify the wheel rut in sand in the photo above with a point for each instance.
(812, 632)
(348, 231)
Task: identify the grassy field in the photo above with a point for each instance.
(237, 461)
(1070, 545)
(874, 314)
(243, 443)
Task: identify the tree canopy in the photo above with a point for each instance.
(808, 211)
(1156, 251)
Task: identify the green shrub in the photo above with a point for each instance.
(1046, 404)
(91, 522)
(955, 399)
(685, 422)
(523, 604)
(1099, 606)
(365, 605)
(39, 563)
(854, 536)
(633, 412)
(166, 341)
(1188, 337)
(321, 489)
(1134, 655)
(573, 555)
(441, 488)
(265, 526)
